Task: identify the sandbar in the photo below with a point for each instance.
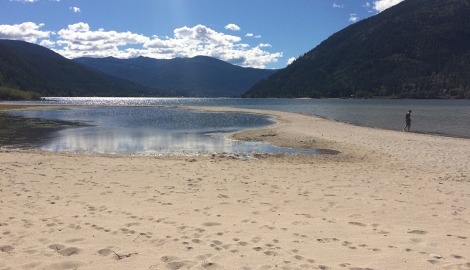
(389, 200)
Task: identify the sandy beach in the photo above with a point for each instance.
(389, 200)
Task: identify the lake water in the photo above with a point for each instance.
(114, 127)
(134, 130)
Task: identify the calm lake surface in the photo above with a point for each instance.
(114, 127)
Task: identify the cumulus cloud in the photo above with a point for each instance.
(254, 57)
(27, 31)
(232, 27)
(382, 5)
(201, 40)
(290, 60)
(353, 17)
(75, 9)
(47, 43)
(79, 40)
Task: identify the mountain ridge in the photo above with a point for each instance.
(30, 67)
(200, 76)
(415, 49)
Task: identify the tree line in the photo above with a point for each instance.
(416, 49)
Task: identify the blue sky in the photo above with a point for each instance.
(249, 33)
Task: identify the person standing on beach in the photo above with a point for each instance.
(408, 121)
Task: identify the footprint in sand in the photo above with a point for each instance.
(346, 243)
(271, 253)
(211, 266)
(197, 241)
(435, 262)
(211, 224)
(62, 250)
(180, 265)
(358, 224)
(65, 265)
(418, 232)
(416, 240)
(105, 251)
(69, 251)
(6, 248)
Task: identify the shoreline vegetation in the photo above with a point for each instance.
(390, 200)
(12, 94)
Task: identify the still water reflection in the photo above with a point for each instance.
(148, 131)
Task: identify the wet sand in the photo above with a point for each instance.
(390, 200)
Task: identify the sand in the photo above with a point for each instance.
(390, 200)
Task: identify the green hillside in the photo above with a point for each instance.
(8, 93)
(416, 49)
(30, 67)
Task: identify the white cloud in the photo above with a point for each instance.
(75, 9)
(290, 60)
(251, 35)
(202, 34)
(254, 57)
(382, 5)
(353, 17)
(232, 27)
(27, 31)
(338, 6)
(201, 40)
(24, 1)
(47, 43)
(367, 4)
(79, 40)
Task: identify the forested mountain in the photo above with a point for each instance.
(200, 76)
(416, 49)
(30, 67)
